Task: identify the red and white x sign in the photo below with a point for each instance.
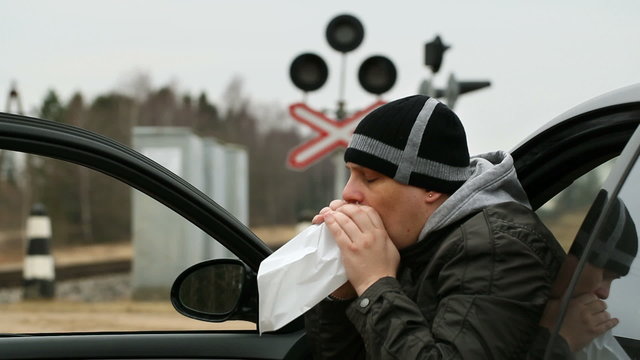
(331, 133)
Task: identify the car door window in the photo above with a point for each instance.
(625, 291)
(602, 260)
(115, 252)
(564, 213)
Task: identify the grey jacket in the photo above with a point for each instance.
(473, 287)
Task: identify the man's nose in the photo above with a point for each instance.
(352, 192)
(602, 292)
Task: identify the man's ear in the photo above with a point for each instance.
(433, 196)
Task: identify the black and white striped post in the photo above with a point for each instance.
(38, 271)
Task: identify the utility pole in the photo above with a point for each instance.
(10, 161)
(14, 166)
(14, 98)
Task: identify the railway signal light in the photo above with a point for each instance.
(433, 53)
(456, 88)
(377, 74)
(308, 72)
(345, 33)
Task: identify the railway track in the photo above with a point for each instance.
(13, 277)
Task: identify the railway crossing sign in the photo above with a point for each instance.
(331, 133)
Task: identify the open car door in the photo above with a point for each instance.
(603, 261)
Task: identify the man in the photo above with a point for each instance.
(585, 330)
(444, 257)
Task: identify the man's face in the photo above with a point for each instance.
(593, 279)
(403, 208)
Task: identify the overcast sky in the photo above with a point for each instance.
(542, 57)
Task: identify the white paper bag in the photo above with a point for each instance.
(297, 276)
(604, 347)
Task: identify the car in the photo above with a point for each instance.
(584, 142)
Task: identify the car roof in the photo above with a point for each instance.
(625, 95)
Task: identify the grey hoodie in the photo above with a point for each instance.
(493, 181)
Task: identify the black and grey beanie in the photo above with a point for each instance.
(616, 244)
(415, 140)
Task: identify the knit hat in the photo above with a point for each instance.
(616, 244)
(416, 141)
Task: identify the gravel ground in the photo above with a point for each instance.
(100, 303)
(99, 288)
(95, 304)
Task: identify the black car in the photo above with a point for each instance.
(585, 142)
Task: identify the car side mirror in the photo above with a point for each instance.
(216, 291)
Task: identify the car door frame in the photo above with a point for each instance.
(68, 143)
(552, 159)
(612, 186)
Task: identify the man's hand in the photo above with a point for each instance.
(333, 206)
(367, 251)
(586, 319)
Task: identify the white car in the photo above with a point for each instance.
(585, 141)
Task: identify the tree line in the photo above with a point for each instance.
(83, 203)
